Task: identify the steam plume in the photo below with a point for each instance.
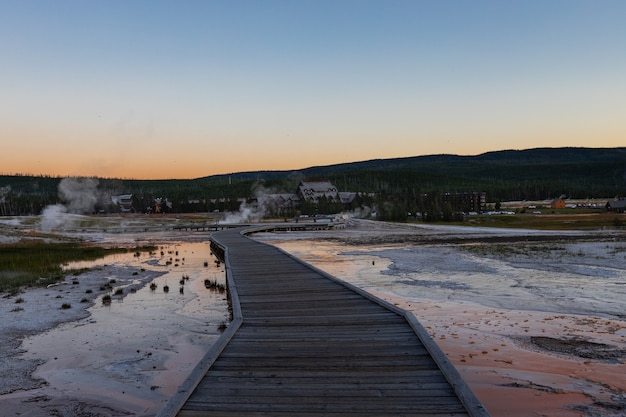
(246, 214)
(79, 196)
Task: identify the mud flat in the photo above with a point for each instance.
(63, 351)
(534, 321)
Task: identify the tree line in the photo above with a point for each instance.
(393, 195)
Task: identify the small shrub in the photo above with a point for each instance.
(65, 306)
(19, 300)
(106, 299)
(119, 291)
(16, 309)
(215, 286)
(84, 300)
(88, 291)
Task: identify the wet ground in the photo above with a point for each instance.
(126, 356)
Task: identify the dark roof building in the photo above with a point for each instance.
(466, 202)
(616, 205)
(313, 191)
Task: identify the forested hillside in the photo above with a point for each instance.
(504, 175)
(533, 174)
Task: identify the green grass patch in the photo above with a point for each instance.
(37, 263)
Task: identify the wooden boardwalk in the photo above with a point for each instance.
(303, 343)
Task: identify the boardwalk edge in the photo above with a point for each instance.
(175, 404)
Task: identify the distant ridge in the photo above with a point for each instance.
(519, 158)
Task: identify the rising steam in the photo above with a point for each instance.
(246, 214)
(79, 196)
(250, 214)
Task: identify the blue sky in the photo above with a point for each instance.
(155, 89)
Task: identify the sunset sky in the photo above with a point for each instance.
(185, 89)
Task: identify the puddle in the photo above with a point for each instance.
(138, 349)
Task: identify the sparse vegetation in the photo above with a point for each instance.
(38, 263)
(214, 285)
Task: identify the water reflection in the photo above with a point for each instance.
(138, 348)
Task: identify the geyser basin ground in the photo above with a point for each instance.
(535, 328)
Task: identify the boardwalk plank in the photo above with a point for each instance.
(323, 406)
(309, 345)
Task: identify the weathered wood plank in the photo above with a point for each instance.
(409, 387)
(345, 413)
(323, 406)
(400, 378)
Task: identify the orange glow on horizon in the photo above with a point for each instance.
(67, 155)
(59, 165)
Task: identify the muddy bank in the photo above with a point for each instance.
(580, 348)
